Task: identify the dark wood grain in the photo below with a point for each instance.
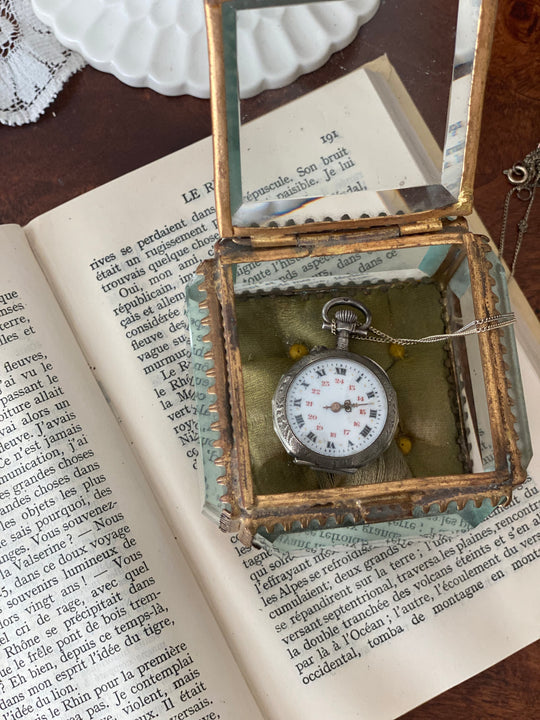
(99, 129)
(510, 130)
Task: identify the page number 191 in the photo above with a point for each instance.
(329, 137)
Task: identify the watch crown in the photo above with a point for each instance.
(346, 316)
(345, 322)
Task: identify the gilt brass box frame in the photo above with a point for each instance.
(276, 236)
(244, 511)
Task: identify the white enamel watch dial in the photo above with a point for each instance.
(335, 410)
(336, 406)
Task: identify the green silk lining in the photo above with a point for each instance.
(269, 324)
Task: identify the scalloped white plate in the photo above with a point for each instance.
(161, 44)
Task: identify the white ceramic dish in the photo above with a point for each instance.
(161, 44)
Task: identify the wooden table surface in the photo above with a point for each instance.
(99, 129)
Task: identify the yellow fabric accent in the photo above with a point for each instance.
(297, 351)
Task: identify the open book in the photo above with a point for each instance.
(118, 599)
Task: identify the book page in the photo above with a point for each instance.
(100, 615)
(369, 633)
(342, 177)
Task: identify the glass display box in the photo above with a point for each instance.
(348, 187)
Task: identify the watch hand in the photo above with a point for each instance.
(334, 407)
(347, 406)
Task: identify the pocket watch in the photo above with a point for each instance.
(335, 410)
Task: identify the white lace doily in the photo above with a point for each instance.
(33, 64)
(159, 44)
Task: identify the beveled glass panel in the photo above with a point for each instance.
(412, 293)
(378, 129)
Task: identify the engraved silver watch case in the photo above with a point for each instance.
(360, 418)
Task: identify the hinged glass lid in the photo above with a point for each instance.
(388, 126)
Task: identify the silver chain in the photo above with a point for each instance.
(525, 178)
(475, 327)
